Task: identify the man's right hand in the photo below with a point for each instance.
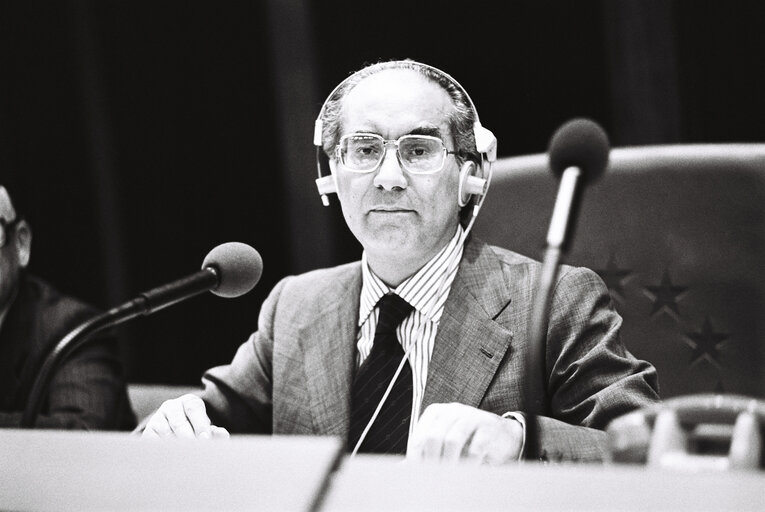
(183, 418)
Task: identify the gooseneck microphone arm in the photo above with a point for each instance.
(578, 152)
(561, 224)
(229, 270)
(145, 304)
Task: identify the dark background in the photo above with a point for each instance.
(138, 135)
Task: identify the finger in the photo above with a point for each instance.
(149, 434)
(431, 447)
(457, 439)
(496, 444)
(477, 450)
(176, 418)
(157, 427)
(432, 432)
(194, 409)
(219, 432)
(418, 438)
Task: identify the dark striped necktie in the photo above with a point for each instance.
(390, 430)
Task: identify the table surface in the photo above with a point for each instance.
(84, 471)
(389, 483)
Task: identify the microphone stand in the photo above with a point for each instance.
(578, 152)
(145, 304)
(561, 224)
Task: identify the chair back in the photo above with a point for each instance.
(677, 232)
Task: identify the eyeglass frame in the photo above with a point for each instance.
(7, 227)
(395, 142)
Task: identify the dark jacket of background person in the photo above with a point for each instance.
(86, 392)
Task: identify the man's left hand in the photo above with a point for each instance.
(449, 432)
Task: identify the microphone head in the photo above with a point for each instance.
(239, 267)
(579, 143)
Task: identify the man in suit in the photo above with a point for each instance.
(403, 143)
(88, 390)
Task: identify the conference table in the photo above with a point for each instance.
(84, 471)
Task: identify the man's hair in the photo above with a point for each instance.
(460, 120)
(17, 185)
(11, 195)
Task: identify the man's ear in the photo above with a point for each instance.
(23, 236)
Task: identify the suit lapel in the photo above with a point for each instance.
(329, 343)
(470, 344)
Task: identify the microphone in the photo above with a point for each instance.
(578, 155)
(229, 270)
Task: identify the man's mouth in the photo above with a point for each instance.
(389, 209)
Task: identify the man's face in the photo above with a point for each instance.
(10, 264)
(398, 216)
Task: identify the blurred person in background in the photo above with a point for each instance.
(88, 390)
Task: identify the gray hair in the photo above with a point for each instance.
(460, 120)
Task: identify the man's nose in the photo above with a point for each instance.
(390, 175)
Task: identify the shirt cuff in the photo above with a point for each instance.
(520, 419)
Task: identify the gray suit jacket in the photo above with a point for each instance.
(293, 376)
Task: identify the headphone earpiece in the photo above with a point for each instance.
(470, 184)
(318, 126)
(485, 141)
(326, 185)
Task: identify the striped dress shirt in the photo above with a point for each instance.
(426, 291)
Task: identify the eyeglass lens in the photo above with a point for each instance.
(416, 153)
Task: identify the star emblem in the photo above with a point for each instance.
(665, 295)
(614, 277)
(705, 343)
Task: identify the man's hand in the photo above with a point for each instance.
(184, 418)
(449, 432)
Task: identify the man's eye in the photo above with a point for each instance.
(417, 151)
(366, 150)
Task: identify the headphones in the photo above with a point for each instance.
(471, 180)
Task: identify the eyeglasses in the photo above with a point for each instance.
(417, 154)
(6, 227)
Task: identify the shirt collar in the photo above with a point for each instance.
(421, 289)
